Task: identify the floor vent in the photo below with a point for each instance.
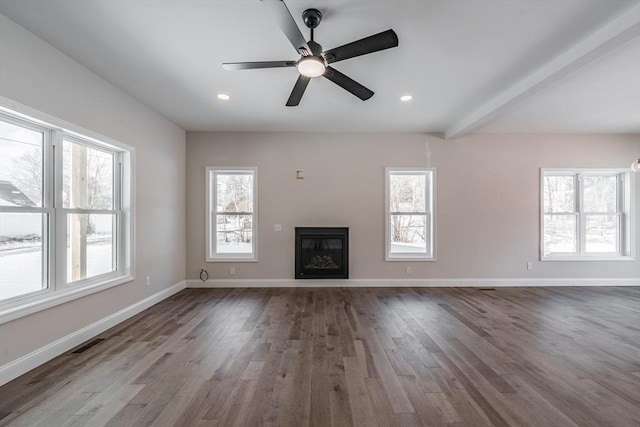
(87, 346)
(486, 289)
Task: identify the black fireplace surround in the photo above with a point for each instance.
(322, 252)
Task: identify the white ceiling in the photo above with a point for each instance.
(483, 65)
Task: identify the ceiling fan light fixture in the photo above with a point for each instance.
(311, 66)
(635, 166)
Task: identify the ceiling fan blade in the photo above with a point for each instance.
(233, 66)
(288, 25)
(384, 40)
(298, 90)
(348, 83)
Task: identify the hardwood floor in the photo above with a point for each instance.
(321, 357)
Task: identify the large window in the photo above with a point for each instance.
(586, 214)
(409, 214)
(231, 214)
(64, 212)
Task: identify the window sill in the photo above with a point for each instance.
(30, 305)
(587, 258)
(231, 259)
(409, 258)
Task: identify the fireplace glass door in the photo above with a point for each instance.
(321, 253)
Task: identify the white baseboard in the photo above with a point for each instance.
(24, 364)
(404, 283)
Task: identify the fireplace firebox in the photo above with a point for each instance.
(322, 253)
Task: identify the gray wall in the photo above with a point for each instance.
(487, 199)
(37, 75)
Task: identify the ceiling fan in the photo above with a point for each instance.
(314, 62)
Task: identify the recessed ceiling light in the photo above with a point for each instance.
(223, 96)
(406, 98)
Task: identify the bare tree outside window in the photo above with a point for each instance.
(59, 187)
(233, 217)
(88, 184)
(582, 213)
(409, 205)
(560, 207)
(23, 259)
(408, 196)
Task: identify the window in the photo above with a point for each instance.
(231, 214)
(65, 213)
(409, 214)
(88, 196)
(586, 214)
(24, 211)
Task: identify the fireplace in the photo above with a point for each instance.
(322, 253)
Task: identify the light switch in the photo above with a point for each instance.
(277, 227)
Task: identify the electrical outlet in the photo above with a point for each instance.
(232, 270)
(408, 270)
(147, 282)
(529, 266)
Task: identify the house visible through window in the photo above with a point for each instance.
(24, 211)
(231, 213)
(586, 214)
(64, 215)
(409, 219)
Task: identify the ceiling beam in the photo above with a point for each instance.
(597, 44)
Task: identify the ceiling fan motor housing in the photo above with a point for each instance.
(312, 18)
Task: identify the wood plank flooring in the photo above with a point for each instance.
(343, 357)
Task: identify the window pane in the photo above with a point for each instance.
(88, 177)
(559, 194)
(602, 233)
(560, 234)
(90, 242)
(409, 234)
(600, 194)
(21, 174)
(407, 193)
(22, 253)
(234, 192)
(234, 234)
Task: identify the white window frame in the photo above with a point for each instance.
(430, 213)
(626, 211)
(116, 210)
(59, 291)
(211, 255)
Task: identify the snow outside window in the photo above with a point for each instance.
(409, 214)
(64, 217)
(231, 214)
(585, 214)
